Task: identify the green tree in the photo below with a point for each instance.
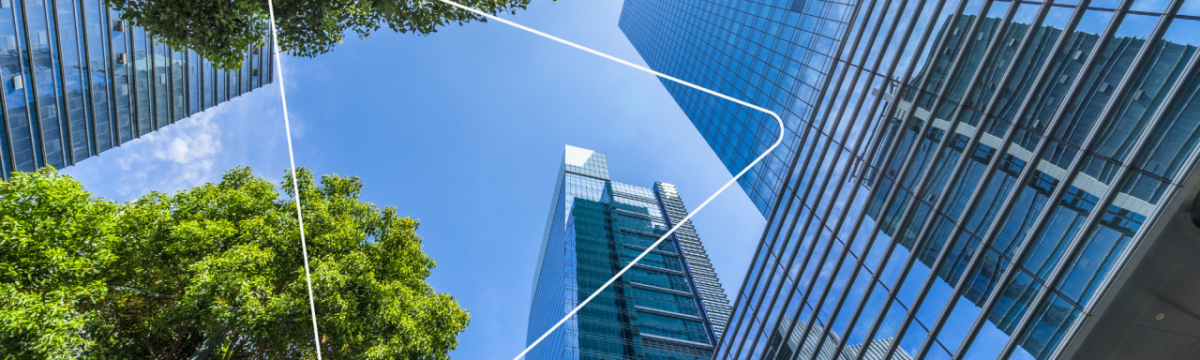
(214, 272)
(223, 31)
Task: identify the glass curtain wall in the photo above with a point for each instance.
(78, 81)
(966, 178)
(663, 308)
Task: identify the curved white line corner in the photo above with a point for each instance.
(778, 140)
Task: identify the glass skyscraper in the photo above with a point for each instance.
(689, 39)
(966, 179)
(78, 81)
(669, 306)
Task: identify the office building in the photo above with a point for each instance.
(695, 41)
(668, 306)
(967, 179)
(78, 81)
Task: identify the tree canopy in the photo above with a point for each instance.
(224, 30)
(214, 272)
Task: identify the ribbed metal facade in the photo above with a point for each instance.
(77, 81)
(972, 179)
(695, 259)
(668, 306)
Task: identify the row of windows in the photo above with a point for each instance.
(604, 225)
(968, 283)
(78, 82)
(747, 77)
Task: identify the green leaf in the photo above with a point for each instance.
(225, 31)
(118, 281)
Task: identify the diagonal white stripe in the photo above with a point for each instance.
(686, 218)
(287, 126)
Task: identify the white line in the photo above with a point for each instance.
(312, 307)
(686, 218)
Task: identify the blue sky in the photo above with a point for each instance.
(463, 130)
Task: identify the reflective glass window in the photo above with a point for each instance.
(44, 62)
(73, 79)
(98, 66)
(1169, 146)
(19, 119)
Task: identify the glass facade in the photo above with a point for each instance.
(966, 179)
(669, 306)
(77, 81)
(763, 53)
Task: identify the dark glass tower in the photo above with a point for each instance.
(78, 81)
(968, 179)
(669, 306)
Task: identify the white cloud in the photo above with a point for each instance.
(247, 130)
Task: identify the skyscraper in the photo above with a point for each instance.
(669, 306)
(969, 179)
(78, 81)
(696, 41)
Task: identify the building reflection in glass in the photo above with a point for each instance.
(969, 179)
(78, 81)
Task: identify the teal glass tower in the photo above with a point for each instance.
(669, 306)
(77, 81)
(967, 179)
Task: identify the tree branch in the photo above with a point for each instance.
(179, 340)
(211, 341)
